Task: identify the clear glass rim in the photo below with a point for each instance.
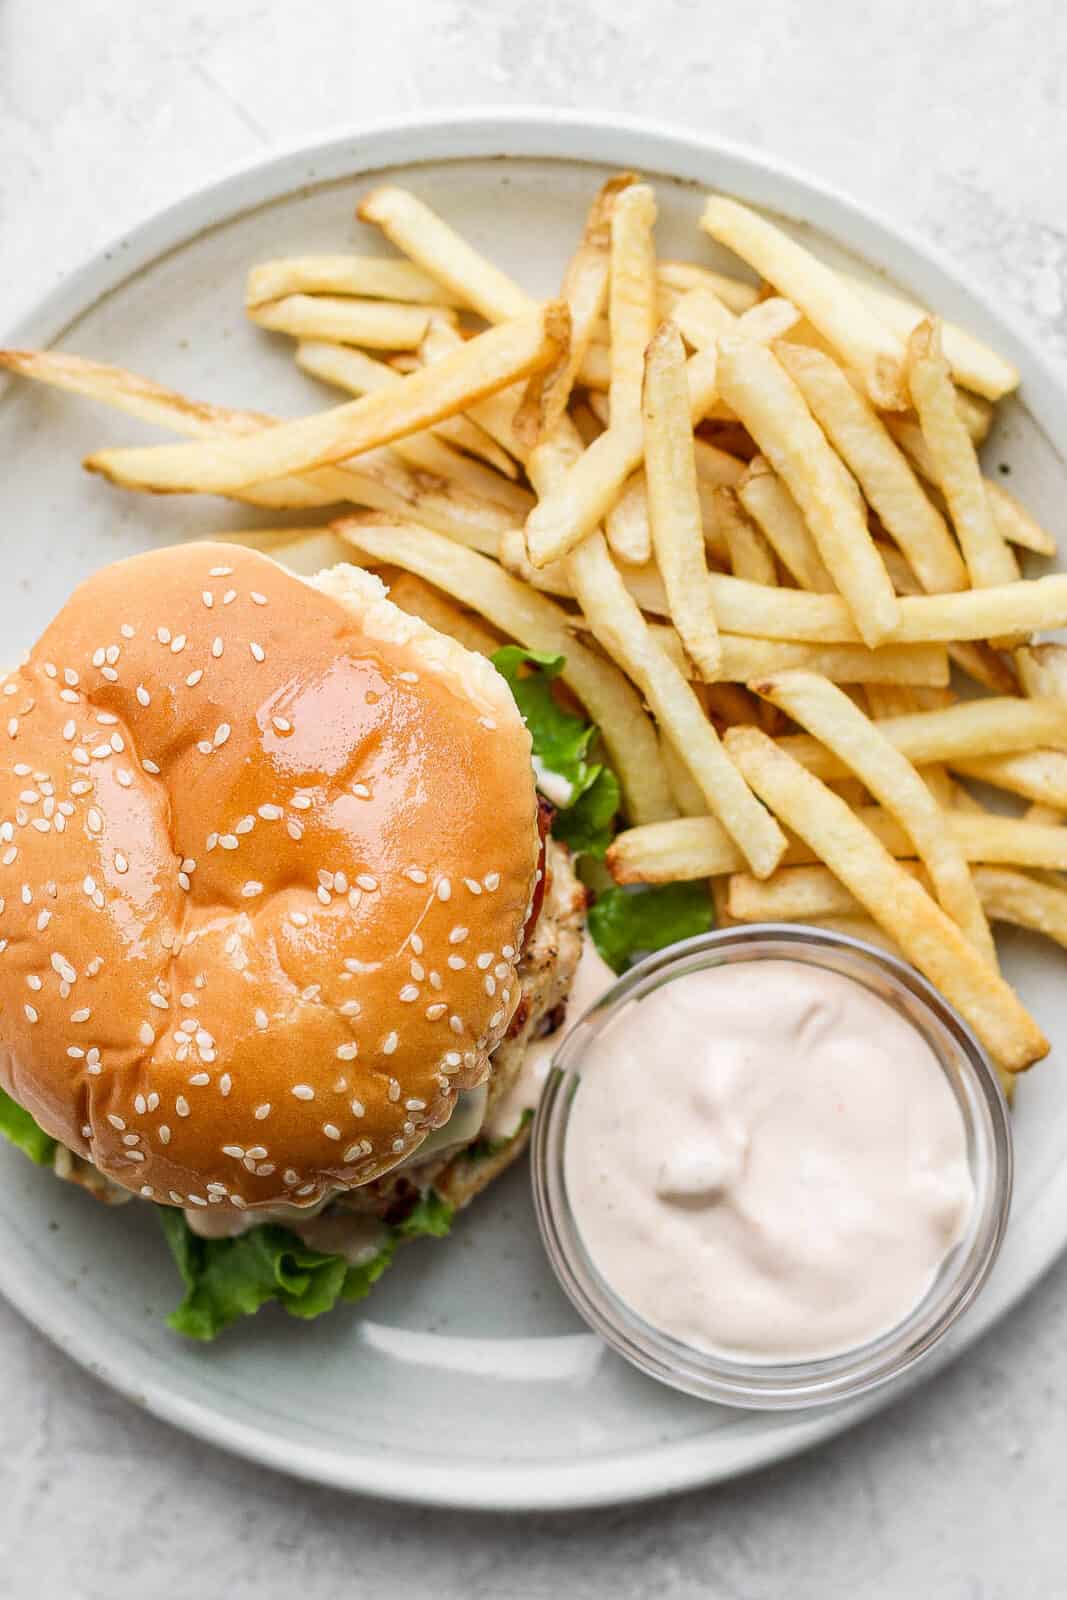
(794, 1385)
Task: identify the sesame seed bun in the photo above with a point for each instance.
(267, 849)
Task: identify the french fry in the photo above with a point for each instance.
(702, 319)
(866, 752)
(376, 277)
(495, 413)
(1042, 670)
(379, 324)
(892, 897)
(970, 729)
(744, 658)
(715, 467)
(932, 619)
(1015, 522)
(592, 484)
(975, 413)
(750, 555)
(1035, 774)
(860, 339)
(487, 363)
(360, 373)
(627, 525)
(974, 657)
(621, 630)
(513, 608)
(439, 250)
(426, 451)
(1016, 525)
(813, 894)
(421, 599)
(673, 503)
(376, 479)
(957, 473)
(687, 792)
(890, 486)
(973, 363)
(584, 290)
(1013, 897)
(736, 295)
(698, 847)
(775, 413)
(632, 299)
(773, 509)
(795, 894)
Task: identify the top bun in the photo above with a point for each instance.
(267, 849)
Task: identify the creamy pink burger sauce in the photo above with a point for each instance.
(765, 1160)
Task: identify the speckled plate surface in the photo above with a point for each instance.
(466, 1379)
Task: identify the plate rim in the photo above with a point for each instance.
(595, 138)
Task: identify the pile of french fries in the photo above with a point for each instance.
(750, 513)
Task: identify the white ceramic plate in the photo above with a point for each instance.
(468, 1380)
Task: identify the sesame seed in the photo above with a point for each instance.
(358, 1108)
(457, 963)
(444, 890)
(408, 677)
(234, 1150)
(408, 993)
(418, 971)
(127, 632)
(352, 1153)
(293, 829)
(197, 1200)
(262, 1020)
(250, 889)
(101, 752)
(183, 881)
(258, 599)
(211, 841)
(216, 647)
(282, 724)
(151, 767)
(302, 1091)
(208, 598)
(116, 1122)
(82, 1014)
(508, 950)
(257, 651)
(222, 733)
(194, 678)
(389, 1044)
(164, 1133)
(94, 821)
(416, 874)
(181, 1106)
(225, 1082)
(262, 1112)
(31, 1013)
(177, 644)
(71, 697)
(398, 1146)
(130, 1138)
(75, 1052)
(331, 1130)
(299, 919)
(485, 960)
(143, 696)
(394, 1090)
(361, 791)
(220, 572)
(199, 1080)
(229, 841)
(229, 597)
(456, 1024)
(301, 802)
(157, 1000)
(42, 824)
(13, 727)
(271, 813)
(347, 1052)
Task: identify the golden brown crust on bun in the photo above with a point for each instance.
(266, 852)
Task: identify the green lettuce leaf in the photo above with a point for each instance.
(230, 1278)
(18, 1126)
(625, 924)
(561, 743)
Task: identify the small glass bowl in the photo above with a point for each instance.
(791, 1385)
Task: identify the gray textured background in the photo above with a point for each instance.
(947, 114)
